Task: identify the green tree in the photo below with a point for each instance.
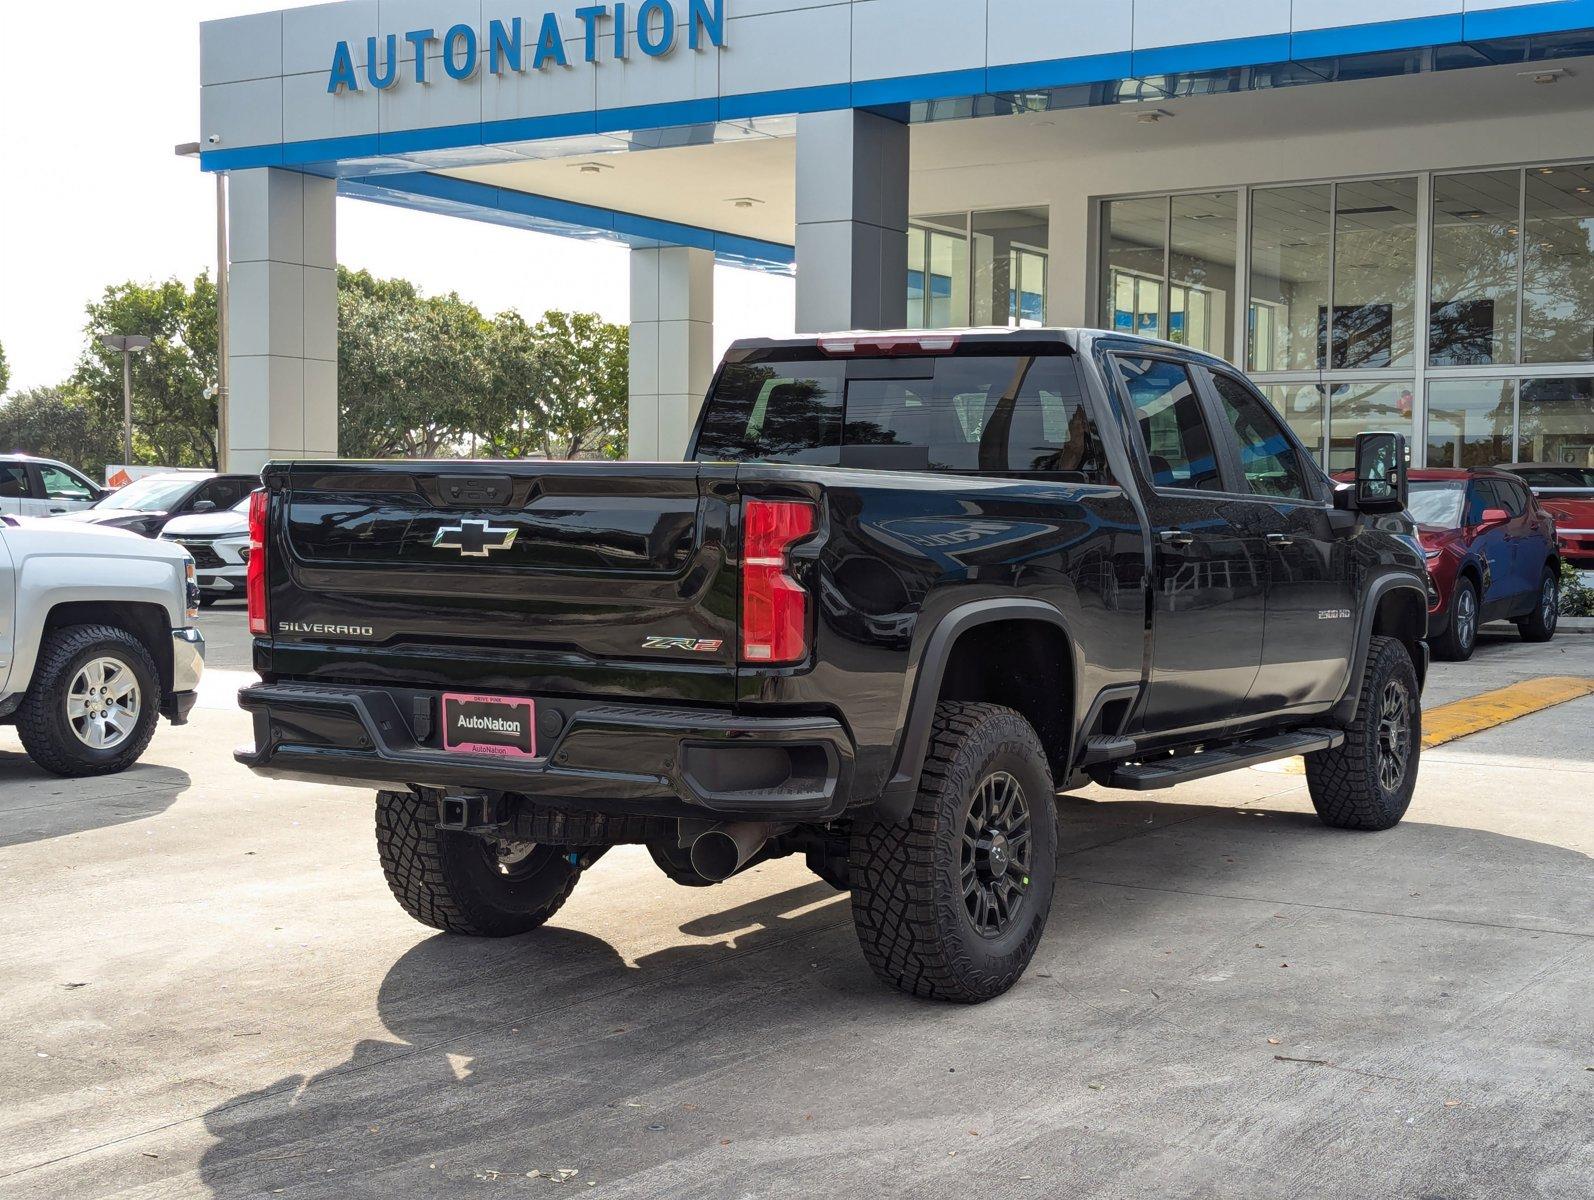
(173, 423)
(584, 364)
(58, 422)
(5, 372)
(423, 377)
(411, 369)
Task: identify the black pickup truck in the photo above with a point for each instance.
(907, 588)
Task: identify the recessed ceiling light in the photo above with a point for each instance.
(1582, 191)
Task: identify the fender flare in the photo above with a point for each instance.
(896, 800)
(1344, 711)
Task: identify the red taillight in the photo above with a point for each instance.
(774, 605)
(255, 577)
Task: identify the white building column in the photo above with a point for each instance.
(672, 348)
(282, 318)
(852, 222)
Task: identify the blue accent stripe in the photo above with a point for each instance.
(1207, 56)
(790, 100)
(1059, 72)
(871, 93)
(1556, 16)
(1415, 32)
(536, 129)
(658, 116)
(480, 201)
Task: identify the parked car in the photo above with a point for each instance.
(1491, 551)
(1098, 558)
(97, 643)
(43, 487)
(145, 505)
(1567, 494)
(219, 544)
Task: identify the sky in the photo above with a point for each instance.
(94, 97)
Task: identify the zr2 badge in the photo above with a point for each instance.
(694, 645)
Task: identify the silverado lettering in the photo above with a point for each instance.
(916, 585)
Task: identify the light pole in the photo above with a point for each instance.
(128, 344)
(191, 150)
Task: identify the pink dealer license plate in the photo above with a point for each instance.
(503, 725)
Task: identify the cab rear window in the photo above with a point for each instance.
(979, 414)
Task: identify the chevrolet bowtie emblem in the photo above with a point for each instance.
(473, 539)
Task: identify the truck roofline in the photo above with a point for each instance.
(1077, 338)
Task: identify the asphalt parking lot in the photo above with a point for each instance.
(208, 991)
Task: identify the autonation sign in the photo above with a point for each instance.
(651, 25)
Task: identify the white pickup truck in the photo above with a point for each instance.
(96, 641)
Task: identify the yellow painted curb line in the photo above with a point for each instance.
(1488, 709)
(1460, 718)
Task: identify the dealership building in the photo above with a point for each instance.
(1383, 212)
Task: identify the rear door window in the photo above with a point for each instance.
(1177, 444)
(64, 485)
(13, 481)
(976, 414)
(1269, 460)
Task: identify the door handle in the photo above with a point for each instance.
(1280, 539)
(1177, 538)
(58, 510)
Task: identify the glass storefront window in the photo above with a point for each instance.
(1289, 278)
(1301, 405)
(1201, 271)
(983, 268)
(1473, 301)
(1558, 265)
(1470, 422)
(1557, 421)
(938, 272)
(1362, 408)
(1134, 243)
(1010, 267)
(1375, 273)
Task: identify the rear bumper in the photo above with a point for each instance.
(622, 759)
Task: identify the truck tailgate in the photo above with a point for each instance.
(515, 575)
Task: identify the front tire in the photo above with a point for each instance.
(93, 703)
(1461, 633)
(464, 884)
(1539, 625)
(952, 904)
(1367, 781)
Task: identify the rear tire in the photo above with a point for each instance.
(1367, 781)
(949, 906)
(58, 727)
(1539, 625)
(464, 884)
(1461, 632)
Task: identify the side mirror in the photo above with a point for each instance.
(204, 506)
(1383, 461)
(1494, 516)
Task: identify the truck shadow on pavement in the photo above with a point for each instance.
(35, 805)
(556, 1050)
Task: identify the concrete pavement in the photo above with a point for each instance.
(209, 992)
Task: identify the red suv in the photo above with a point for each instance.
(1567, 494)
(1490, 548)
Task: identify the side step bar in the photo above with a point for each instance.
(1181, 768)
